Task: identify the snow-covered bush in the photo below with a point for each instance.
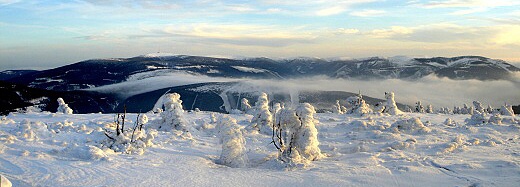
(130, 141)
(445, 110)
(263, 119)
(412, 125)
(233, 143)
(306, 140)
(466, 110)
(418, 107)
(336, 108)
(172, 118)
(296, 136)
(244, 105)
(490, 109)
(478, 106)
(429, 109)
(362, 109)
(276, 108)
(63, 107)
(390, 106)
(357, 106)
(507, 110)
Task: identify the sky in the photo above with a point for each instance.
(50, 33)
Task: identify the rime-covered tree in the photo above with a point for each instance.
(507, 110)
(429, 109)
(63, 107)
(478, 106)
(233, 152)
(390, 105)
(173, 116)
(244, 105)
(306, 140)
(336, 108)
(296, 134)
(262, 119)
(418, 107)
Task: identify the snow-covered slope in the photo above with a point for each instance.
(44, 149)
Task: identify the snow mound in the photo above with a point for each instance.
(412, 126)
(84, 152)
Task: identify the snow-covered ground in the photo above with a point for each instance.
(46, 149)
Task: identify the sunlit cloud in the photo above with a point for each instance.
(435, 33)
(468, 3)
(368, 13)
(330, 11)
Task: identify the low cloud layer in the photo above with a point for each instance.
(440, 92)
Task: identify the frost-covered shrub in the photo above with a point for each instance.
(358, 106)
(244, 105)
(363, 108)
(63, 107)
(445, 110)
(412, 125)
(390, 106)
(296, 135)
(336, 108)
(276, 108)
(490, 109)
(131, 141)
(233, 143)
(429, 109)
(507, 110)
(263, 119)
(306, 140)
(478, 106)
(466, 110)
(172, 118)
(418, 107)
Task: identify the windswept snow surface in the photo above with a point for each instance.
(45, 149)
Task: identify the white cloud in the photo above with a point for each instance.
(469, 11)
(235, 34)
(346, 31)
(330, 11)
(436, 33)
(8, 2)
(468, 3)
(368, 13)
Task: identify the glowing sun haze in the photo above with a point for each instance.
(50, 33)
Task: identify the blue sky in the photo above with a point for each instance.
(45, 34)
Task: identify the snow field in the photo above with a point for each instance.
(411, 149)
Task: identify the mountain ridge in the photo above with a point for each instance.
(99, 72)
